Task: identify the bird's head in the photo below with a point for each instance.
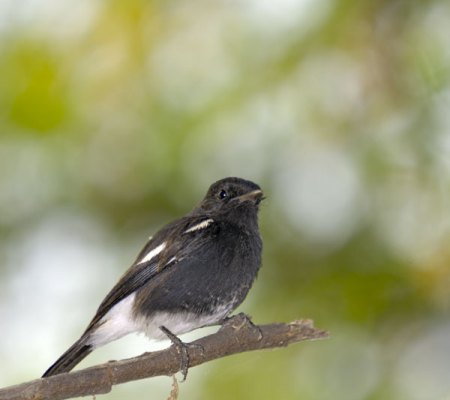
(232, 195)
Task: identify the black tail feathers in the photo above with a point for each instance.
(77, 352)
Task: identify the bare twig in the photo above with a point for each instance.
(174, 392)
(237, 335)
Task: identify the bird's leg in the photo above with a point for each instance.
(182, 349)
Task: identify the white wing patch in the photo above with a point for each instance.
(201, 225)
(152, 253)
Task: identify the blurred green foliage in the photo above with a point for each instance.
(116, 116)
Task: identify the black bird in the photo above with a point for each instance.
(194, 272)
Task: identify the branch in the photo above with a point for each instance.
(237, 335)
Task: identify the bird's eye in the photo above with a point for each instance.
(223, 194)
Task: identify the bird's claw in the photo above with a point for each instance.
(240, 321)
(183, 350)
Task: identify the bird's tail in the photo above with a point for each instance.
(70, 358)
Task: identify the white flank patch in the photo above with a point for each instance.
(153, 253)
(116, 323)
(177, 323)
(201, 225)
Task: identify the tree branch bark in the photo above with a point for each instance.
(237, 335)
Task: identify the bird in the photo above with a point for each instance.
(194, 272)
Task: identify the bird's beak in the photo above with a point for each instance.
(255, 196)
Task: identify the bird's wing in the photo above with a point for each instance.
(136, 276)
(158, 254)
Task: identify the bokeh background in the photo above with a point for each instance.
(116, 116)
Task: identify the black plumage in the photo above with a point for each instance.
(194, 272)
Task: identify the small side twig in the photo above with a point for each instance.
(174, 392)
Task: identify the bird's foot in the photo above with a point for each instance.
(242, 321)
(183, 350)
